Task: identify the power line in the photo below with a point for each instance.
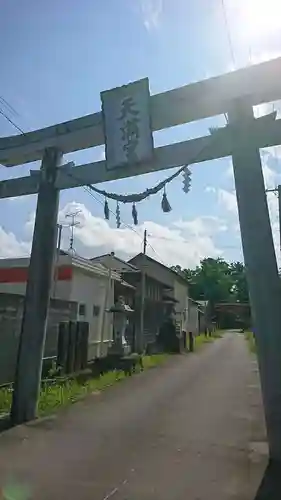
(230, 44)
(11, 122)
(185, 242)
(8, 106)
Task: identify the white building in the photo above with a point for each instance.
(78, 280)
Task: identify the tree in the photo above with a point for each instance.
(217, 281)
(238, 274)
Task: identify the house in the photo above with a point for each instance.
(174, 287)
(78, 280)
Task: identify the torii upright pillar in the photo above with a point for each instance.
(261, 267)
(40, 280)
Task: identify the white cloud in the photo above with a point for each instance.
(183, 242)
(270, 161)
(227, 197)
(151, 11)
(261, 56)
(202, 226)
(11, 247)
(227, 200)
(29, 225)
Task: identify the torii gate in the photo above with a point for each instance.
(233, 93)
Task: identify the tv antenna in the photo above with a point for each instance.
(74, 223)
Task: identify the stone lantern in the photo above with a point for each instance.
(121, 312)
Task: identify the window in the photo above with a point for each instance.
(82, 310)
(96, 311)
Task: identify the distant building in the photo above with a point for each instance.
(174, 287)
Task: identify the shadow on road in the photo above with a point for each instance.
(270, 487)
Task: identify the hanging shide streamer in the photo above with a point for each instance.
(166, 207)
(118, 219)
(135, 214)
(106, 210)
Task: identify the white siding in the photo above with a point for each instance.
(181, 307)
(18, 288)
(90, 290)
(192, 318)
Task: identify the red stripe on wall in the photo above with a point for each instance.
(20, 274)
(65, 273)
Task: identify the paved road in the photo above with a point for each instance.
(178, 432)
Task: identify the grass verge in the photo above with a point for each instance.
(54, 397)
(202, 339)
(251, 341)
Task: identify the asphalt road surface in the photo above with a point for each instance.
(178, 432)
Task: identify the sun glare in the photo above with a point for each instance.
(257, 19)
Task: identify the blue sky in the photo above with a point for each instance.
(59, 56)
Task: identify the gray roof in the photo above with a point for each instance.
(202, 302)
(119, 264)
(145, 256)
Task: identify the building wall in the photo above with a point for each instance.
(181, 306)
(11, 309)
(14, 275)
(192, 323)
(89, 291)
(179, 289)
(158, 272)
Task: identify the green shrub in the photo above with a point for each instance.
(251, 341)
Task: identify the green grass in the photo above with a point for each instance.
(251, 341)
(60, 395)
(202, 339)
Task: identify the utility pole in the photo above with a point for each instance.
(140, 345)
(277, 191)
(72, 225)
(37, 298)
(106, 295)
(144, 241)
(56, 272)
(261, 266)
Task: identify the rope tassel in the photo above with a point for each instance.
(118, 219)
(166, 207)
(106, 210)
(135, 214)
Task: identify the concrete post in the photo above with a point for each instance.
(261, 266)
(279, 216)
(40, 278)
